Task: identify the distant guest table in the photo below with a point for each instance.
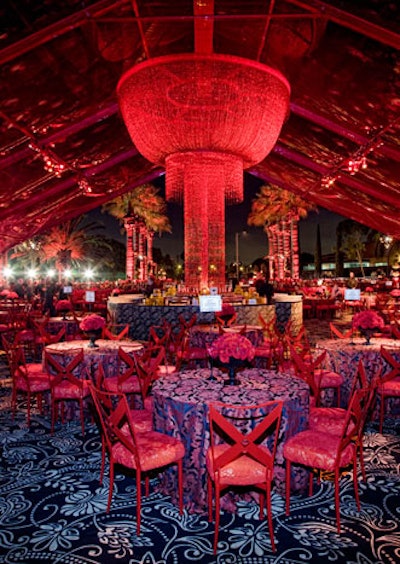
(181, 410)
(343, 356)
(54, 325)
(204, 335)
(107, 353)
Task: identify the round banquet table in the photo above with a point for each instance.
(203, 335)
(181, 410)
(106, 353)
(343, 356)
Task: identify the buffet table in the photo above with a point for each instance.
(181, 410)
(343, 356)
(125, 309)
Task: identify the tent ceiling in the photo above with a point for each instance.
(61, 62)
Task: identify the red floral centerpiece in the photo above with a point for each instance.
(63, 306)
(92, 325)
(367, 322)
(232, 349)
(227, 315)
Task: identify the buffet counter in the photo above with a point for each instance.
(127, 309)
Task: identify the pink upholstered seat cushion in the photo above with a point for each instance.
(68, 390)
(166, 369)
(155, 450)
(244, 471)
(327, 420)
(39, 383)
(391, 388)
(35, 368)
(142, 420)
(130, 386)
(316, 450)
(328, 379)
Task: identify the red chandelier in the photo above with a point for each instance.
(205, 118)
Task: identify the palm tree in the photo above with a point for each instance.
(28, 253)
(72, 242)
(278, 211)
(142, 212)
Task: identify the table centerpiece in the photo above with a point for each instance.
(92, 325)
(368, 322)
(226, 316)
(232, 350)
(63, 307)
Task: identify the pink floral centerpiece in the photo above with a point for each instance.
(9, 294)
(92, 325)
(63, 306)
(367, 322)
(232, 349)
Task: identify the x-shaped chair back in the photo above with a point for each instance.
(115, 332)
(126, 366)
(50, 338)
(147, 366)
(225, 422)
(335, 332)
(187, 324)
(305, 371)
(353, 421)
(267, 327)
(360, 380)
(393, 363)
(160, 335)
(63, 368)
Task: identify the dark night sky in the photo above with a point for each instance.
(252, 243)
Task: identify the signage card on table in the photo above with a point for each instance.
(210, 303)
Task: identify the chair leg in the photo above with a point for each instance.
(217, 516)
(180, 485)
(269, 514)
(288, 470)
(111, 486)
(355, 482)
(209, 495)
(381, 411)
(361, 456)
(337, 499)
(138, 501)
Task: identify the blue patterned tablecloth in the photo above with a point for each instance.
(181, 410)
(107, 353)
(343, 356)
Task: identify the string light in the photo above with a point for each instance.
(357, 161)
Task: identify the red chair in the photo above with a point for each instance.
(335, 332)
(325, 452)
(142, 418)
(317, 378)
(126, 380)
(189, 355)
(331, 419)
(243, 441)
(141, 452)
(148, 366)
(389, 385)
(68, 383)
(115, 331)
(27, 379)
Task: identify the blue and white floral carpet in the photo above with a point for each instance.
(52, 509)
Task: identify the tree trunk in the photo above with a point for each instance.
(318, 253)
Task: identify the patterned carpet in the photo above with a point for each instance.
(52, 508)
